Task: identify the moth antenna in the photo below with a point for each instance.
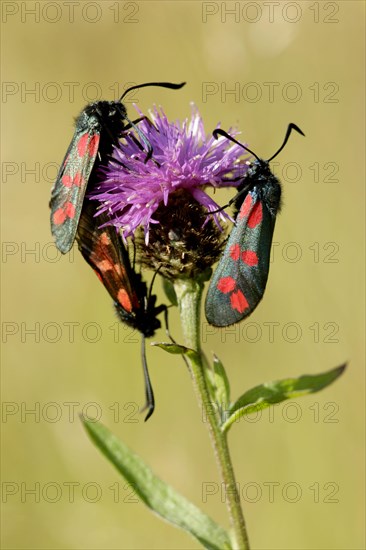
(160, 84)
(150, 400)
(219, 132)
(291, 127)
(143, 138)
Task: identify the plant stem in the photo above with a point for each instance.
(189, 294)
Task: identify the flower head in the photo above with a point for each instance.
(183, 158)
(137, 193)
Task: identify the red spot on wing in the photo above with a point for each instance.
(78, 179)
(235, 252)
(61, 214)
(246, 206)
(226, 284)
(68, 181)
(124, 300)
(238, 301)
(249, 257)
(256, 215)
(104, 266)
(82, 144)
(88, 145)
(105, 239)
(70, 210)
(93, 145)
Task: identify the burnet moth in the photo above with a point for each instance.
(239, 281)
(105, 251)
(97, 130)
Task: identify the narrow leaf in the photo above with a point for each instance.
(176, 349)
(268, 394)
(222, 383)
(160, 497)
(170, 291)
(219, 388)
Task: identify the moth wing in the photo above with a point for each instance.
(222, 290)
(255, 255)
(239, 281)
(68, 192)
(105, 252)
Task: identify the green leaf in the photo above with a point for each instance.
(177, 349)
(268, 394)
(160, 497)
(219, 388)
(222, 383)
(170, 291)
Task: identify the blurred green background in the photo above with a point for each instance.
(300, 467)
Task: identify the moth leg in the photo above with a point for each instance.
(133, 123)
(167, 331)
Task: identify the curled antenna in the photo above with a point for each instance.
(219, 132)
(143, 138)
(160, 84)
(291, 126)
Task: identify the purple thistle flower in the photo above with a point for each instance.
(131, 190)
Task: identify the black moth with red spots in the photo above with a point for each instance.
(105, 252)
(97, 130)
(240, 279)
